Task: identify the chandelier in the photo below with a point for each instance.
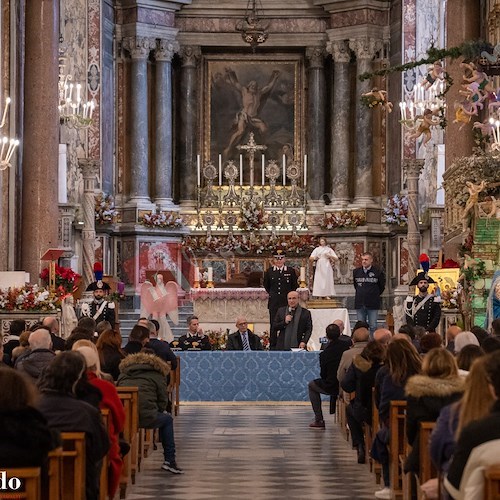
(73, 111)
(252, 28)
(8, 145)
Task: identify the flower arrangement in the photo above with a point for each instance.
(28, 298)
(264, 340)
(162, 220)
(449, 298)
(242, 244)
(105, 212)
(396, 210)
(66, 279)
(343, 220)
(217, 339)
(252, 216)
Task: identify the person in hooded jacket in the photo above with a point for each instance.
(360, 378)
(149, 373)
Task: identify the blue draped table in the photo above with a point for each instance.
(247, 376)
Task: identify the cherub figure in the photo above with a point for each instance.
(461, 115)
(474, 190)
(478, 76)
(434, 73)
(424, 128)
(474, 97)
(379, 97)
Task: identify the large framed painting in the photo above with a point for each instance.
(255, 93)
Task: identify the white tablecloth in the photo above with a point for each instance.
(321, 318)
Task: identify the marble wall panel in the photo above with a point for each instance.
(357, 17)
(94, 69)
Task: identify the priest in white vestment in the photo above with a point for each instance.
(324, 258)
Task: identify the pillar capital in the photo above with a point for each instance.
(190, 55)
(138, 47)
(165, 49)
(340, 51)
(90, 168)
(315, 56)
(366, 47)
(413, 167)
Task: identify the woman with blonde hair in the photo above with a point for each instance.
(437, 386)
(476, 403)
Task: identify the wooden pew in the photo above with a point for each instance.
(173, 387)
(30, 478)
(129, 397)
(145, 444)
(426, 467)
(103, 481)
(492, 482)
(375, 467)
(397, 446)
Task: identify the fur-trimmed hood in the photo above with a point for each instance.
(362, 363)
(420, 386)
(141, 361)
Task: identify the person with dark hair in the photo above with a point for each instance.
(329, 360)
(16, 327)
(51, 323)
(495, 327)
(471, 451)
(25, 437)
(88, 324)
(480, 333)
(422, 309)
(102, 326)
(430, 341)
(407, 330)
(160, 347)
(194, 338)
(66, 413)
(78, 333)
(110, 352)
(137, 339)
(467, 356)
(490, 344)
(360, 379)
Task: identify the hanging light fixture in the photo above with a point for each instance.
(8, 145)
(252, 28)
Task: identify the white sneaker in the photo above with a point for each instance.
(384, 493)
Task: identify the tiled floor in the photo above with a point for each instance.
(258, 453)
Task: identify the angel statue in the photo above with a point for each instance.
(423, 126)
(377, 97)
(158, 301)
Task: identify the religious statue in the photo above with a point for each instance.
(425, 122)
(493, 303)
(475, 75)
(323, 258)
(253, 99)
(474, 190)
(434, 73)
(377, 97)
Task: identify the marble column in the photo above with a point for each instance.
(90, 171)
(40, 145)
(339, 165)
(163, 122)
(316, 122)
(365, 49)
(138, 47)
(413, 168)
(188, 124)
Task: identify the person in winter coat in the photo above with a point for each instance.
(149, 373)
(437, 386)
(39, 355)
(360, 378)
(66, 413)
(111, 402)
(25, 436)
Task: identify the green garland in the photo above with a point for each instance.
(469, 50)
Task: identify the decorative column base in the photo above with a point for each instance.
(340, 203)
(364, 202)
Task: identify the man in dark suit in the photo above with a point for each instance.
(278, 281)
(329, 361)
(292, 326)
(243, 339)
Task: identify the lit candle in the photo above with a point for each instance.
(70, 91)
(305, 170)
(220, 170)
(302, 274)
(210, 274)
(263, 170)
(92, 106)
(78, 90)
(284, 170)
(497, 123)
(7, 102)
(241, 170)
(198, 169)
(197, 273)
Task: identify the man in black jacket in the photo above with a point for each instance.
(369, 283)
(422, 309)
(244, 339)
(329, 360)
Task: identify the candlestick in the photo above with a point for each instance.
(210, 276)
(241, 170)
(197, 273)
(305, 170)
(302, 274)
(220, 170)
(198, 169)
(263, 170)
(284, 170)
(7, 102)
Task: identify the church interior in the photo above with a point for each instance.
(186, 142)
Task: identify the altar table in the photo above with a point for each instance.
(247, 376)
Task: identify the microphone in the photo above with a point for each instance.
(291, 311)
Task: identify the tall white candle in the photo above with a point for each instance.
(302, 274)
(198, 169)
(197, 273)
(210, 274)
(284, 170)
(305, 170)
(220, 170)
(263, 170)
(241, 170)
